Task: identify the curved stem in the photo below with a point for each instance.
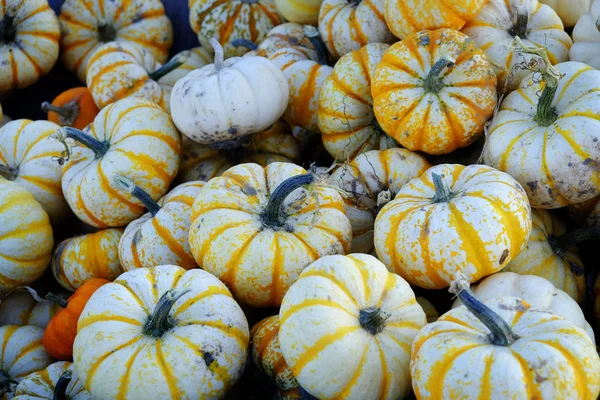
(219, 55)
(106, 33)
(67, 113)
(433, 83)
(8, 27)
(173, 64)
(61, 302)
(443, 193)
(244, 43)
(501, 332)
(273, 215)
(60, 389)
(519, 29)
(99, 148)
(7, 385)
(372, 320)
(126, 184)
(8, 172)
(562, 244)
(315, 39)
(158, 323)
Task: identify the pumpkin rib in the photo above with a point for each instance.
(432, 269)
(101, 359)
(504, 160)
(49, 186)
(333, 280)
(209, 292)
(345, 392)
(166, 371)
(440, 369)
(124, 384)
(134, 295)
(529, 375)
(24, 351)
(232, 265)
(177, 248)
(85, 322)
(226, 330)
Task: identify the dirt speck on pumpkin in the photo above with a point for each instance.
(504, 256)
(137, 237)
(208, 357)
(513, 306)
(532, 185)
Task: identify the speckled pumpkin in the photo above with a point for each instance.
(345, 112)
(347, 325)
(95, 255)
(453, 220)
(187, 333)
(434, 91)
(372, 179)
(21, 308)
(289, 34)
(257, 228)
(30, 33)
(233, 19)
(57, 382)
(88, 24)
(74, 107)
(25, 237)
(28, 157)
(132, 137)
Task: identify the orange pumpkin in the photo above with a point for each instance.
(74, 107)
(62, 328)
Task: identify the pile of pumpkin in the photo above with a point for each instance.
(317, 163)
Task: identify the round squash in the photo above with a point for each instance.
(586, 38)
(551, 254)
(257, 228)
(160, 236)
(57, 382)
(28, 157)
(453, 219)
(503, 348)
(372, 179)
(499, 22)
(180, 329)
(20, 307)
(29, 33)
(87, 25)
(227, 21)
(223, 102)
(346, 26)
(434, 91)
(23, 354)
(347, 325)
(289, 34)
(569, 11)
(345, 109)
(60, 332)
(132, 136)
(25, 237)
(74, 107)
(300, 11)
(94, 255)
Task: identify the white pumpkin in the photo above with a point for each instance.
(586, 38)
(569, 11)
(57, 382)
(228, 100)
(178, 334)
(20, 307)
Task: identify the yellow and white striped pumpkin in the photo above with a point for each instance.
(227, 21)
(347, 325)
(256, 242)
(499, 22)
(22, 354)
(194, 58)
(95, 255)
(289, 34)
(132, 137)
(58, 381)
(345, 112)
(25, 237)
(346, 26)
(28, 157)
(179, 333)
(30, 35)
(371, 180)
(160, 237)
(453, 219)
(20, 307)
(88, 24)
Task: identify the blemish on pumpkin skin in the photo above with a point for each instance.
(504, 256)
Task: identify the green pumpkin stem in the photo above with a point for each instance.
(60, 301)
(219, 54)
(159, 323)
(99, 148)
(433, 83)
(315, 39)
(562, 244)
(273, 215)
(106, 33)
(167, 68)
(7, 385)
(67, 114)
(501, 332)
(244, 43)
(8, 26)
(8, 172)
(519, 29)
(126, 184)
(373, 320)
(443, 193)
(60, 389)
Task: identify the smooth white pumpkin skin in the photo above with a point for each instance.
(556, 164)
(195, 58)
(26, 147)
(23, 353)
(586, 38)
(245, 96)
(327, 349)
(21, 308)
(300, 11)
(535, 290)
(41, 384)
(491, 31)
(199, 358)
(569, 11)
(552, 359)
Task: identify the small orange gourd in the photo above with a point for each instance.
(74, 107)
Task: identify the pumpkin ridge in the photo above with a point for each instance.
(432, 268)
(233, 264)
(26, 350)
(134, 295)
(278, 260)
(97, 78)
(185, 260)
(208, 292)
(85, 322)
(345, 392)
(314, 254)
(529, 376)
(441, 368)
(384, 386)
(290, 311)
(146, 43)
(549, 178)
(166, 371)
(504, 158)
(214, 234)
(22, 232)
(236, 333)
(221, 373)
(124, 380)
(52, 187)
(333, 279)
(329, 26)
(142, 159)
(10, 330)
(105, 185)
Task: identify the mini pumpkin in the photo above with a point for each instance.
(345, 110)
(434, 91)
(57, 382)
(300, 11)
(347, 325)
(229, 20)
(133, 136)
(30, 33)
(74, 107)
(23, 354)
(180, 329)
(453, 219)
(503, 348)
(586, 38)
(569, 11)
(87, 25)
(257, 228)
(81, 258)
(289, 34)
(27, 157)
(371, 180)
(223, 102)
(22, 307)
(25, 237)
